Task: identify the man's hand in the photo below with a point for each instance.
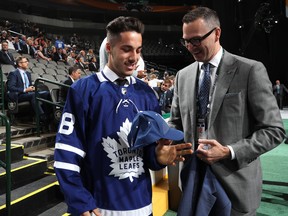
(168, 154)
(30, 89)
(211, 151)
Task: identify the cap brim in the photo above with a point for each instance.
(174, 134)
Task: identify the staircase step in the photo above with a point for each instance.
(34, 198)
(34, 143)
(59, 209)
(23, 172)
(45, 154)
(17, 152)
(18, 131)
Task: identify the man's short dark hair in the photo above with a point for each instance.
(208, 15)
(123, 24)
(73, 69)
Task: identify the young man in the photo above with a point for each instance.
(97, 170)
(241, 120)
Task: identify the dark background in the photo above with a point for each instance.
(256, 29)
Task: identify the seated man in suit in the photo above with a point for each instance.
(20, 88)
(74, 74)
(93, 66)
(5, 56)
(59, 56)
(164, 95)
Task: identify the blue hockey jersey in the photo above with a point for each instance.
(93, 162)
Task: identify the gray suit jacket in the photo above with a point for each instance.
(244, 115)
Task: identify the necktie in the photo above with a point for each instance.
(121, 82)
(26, 80)
(278, 89)
(204, 91)
(8, 56)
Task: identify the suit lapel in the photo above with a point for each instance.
(226, 73)
(20, 77)
(191, 81)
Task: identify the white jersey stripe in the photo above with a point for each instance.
(66, 166)
(69, 148)
(147, 210)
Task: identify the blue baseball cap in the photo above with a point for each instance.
(148, 127)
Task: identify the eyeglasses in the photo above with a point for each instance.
(23, 62)
(195, 41)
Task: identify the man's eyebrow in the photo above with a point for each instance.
(129, 46)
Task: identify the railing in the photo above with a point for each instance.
(2, 102)
(38, 99)
(7, 164)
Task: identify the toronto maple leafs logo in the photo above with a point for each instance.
(125, 162)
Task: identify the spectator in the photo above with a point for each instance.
(25, 46)
(39, 54)
(74, 49)
(59, 44)
(154, 81)
(74, 75)
(45, 50)
(20, 88)
(17, 44)
(10, 41)
(40, 40)
(4, 36)
(278, 90)
(59, 56)
(51, 52)
(23, 40)
(30, 48)
(71, 60)
(93, 65)
(5, 56)
(90, 54)
(164, 95)
(82, 65)
(82, 56)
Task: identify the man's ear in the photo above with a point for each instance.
(108, 47)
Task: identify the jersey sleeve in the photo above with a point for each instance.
(70, 152)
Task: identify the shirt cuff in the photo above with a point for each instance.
(232, 152)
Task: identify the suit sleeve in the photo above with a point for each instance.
(4, 59)
(285, 88)
(13, 83)
(263, 116)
